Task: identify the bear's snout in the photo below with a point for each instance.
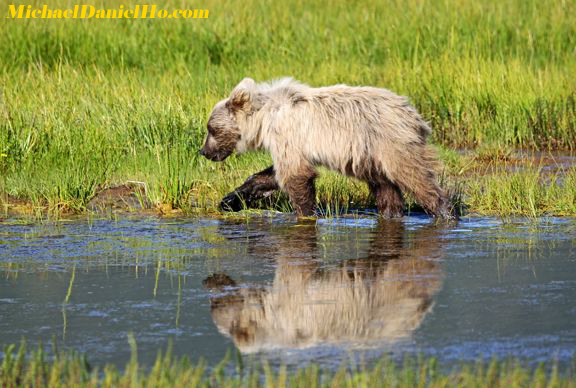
(215, 156)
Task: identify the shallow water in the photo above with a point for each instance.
(292, 292)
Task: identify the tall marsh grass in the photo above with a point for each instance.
(526, 193)
(89, 103)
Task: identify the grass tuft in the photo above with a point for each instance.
(69, 369)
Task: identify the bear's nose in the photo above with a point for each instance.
(202, 152)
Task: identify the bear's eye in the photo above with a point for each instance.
(211, 130)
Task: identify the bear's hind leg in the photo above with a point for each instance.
(301, 191)
(388, 198)
(428, 194)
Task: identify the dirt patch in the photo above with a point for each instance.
(14, 205)
(126, 197)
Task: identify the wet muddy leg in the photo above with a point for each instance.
(257, 186)
(388, 198)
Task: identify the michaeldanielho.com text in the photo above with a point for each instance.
(89, 11)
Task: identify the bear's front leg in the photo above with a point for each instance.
(301, 191)
(257, 186)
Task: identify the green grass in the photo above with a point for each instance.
(66, 369)
(90, 103)
(524, 193)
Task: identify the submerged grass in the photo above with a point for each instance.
(20, 368)
(86, 104)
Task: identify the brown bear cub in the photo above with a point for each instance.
(368, 133)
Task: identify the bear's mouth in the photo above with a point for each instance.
(217, 156)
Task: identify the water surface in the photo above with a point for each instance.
(292, 292)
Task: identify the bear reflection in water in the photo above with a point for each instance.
(382, 297)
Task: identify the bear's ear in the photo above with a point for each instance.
(239, 99)
(246, 83)
(241, 96)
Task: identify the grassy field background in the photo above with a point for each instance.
(86, 104)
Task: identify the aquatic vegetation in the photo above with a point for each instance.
(69, 369)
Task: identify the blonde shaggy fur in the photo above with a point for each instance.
(365, 132)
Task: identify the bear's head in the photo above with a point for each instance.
(229, 120)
